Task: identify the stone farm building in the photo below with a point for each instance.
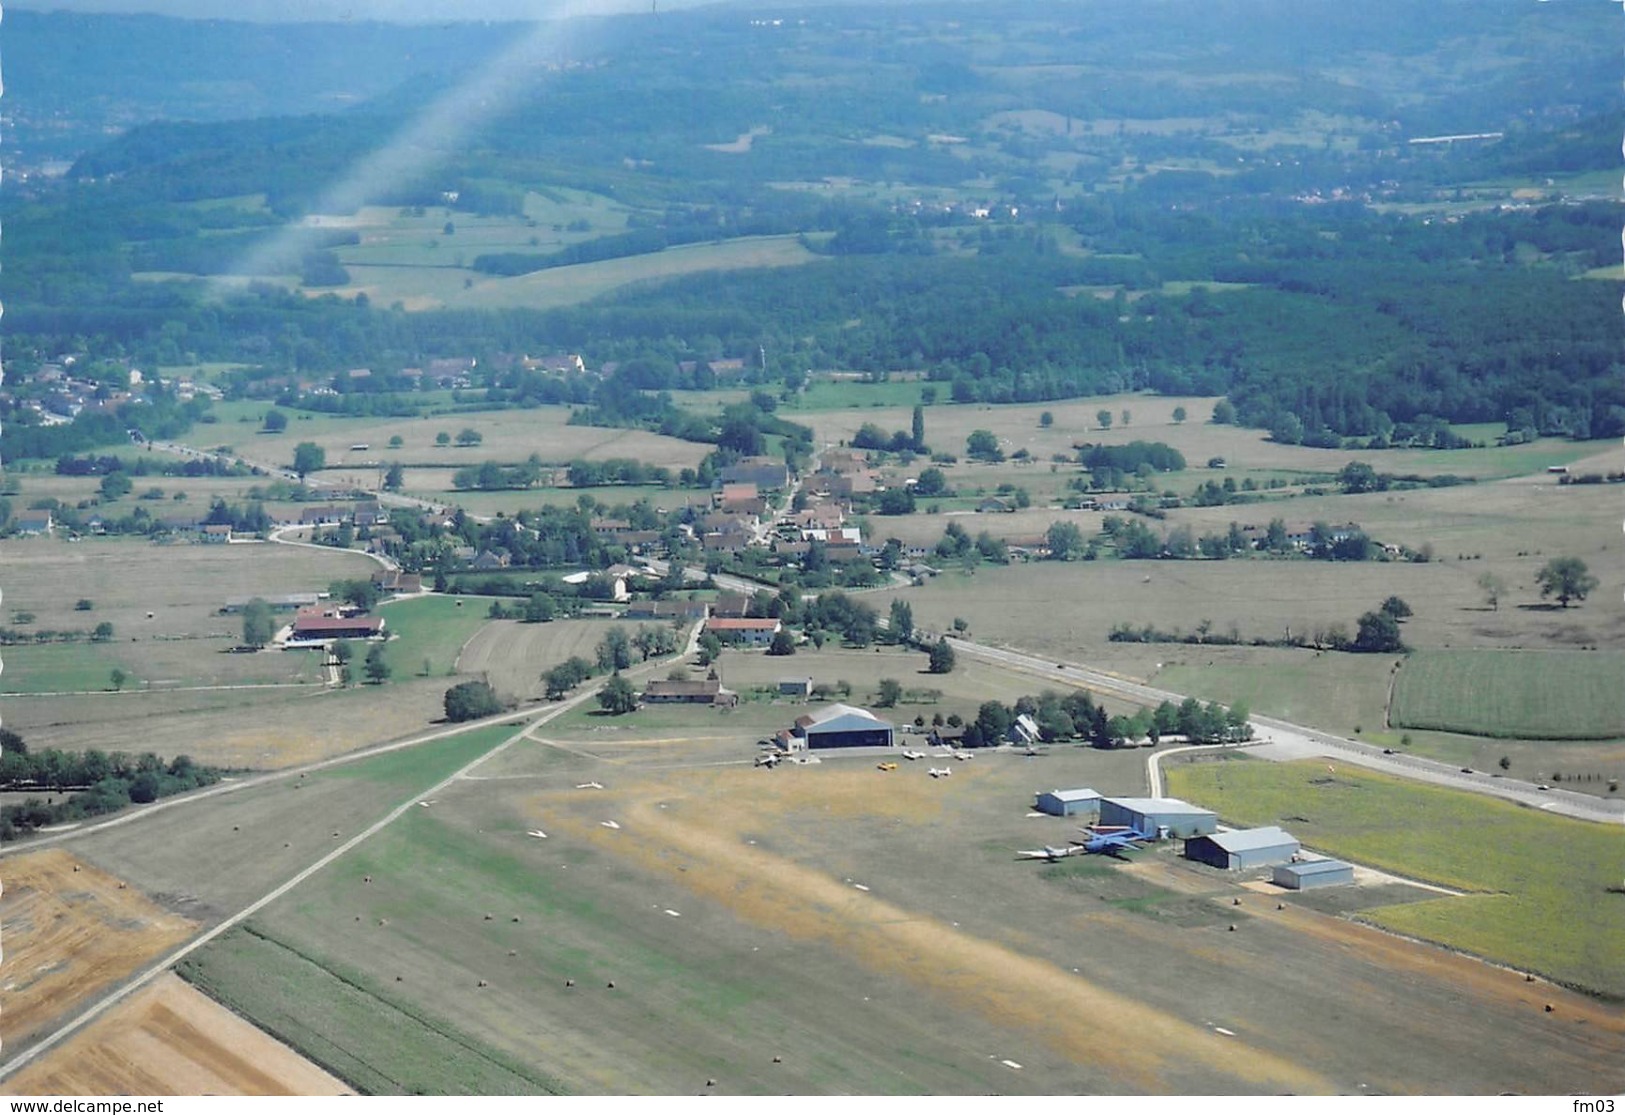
(316, 631)
(681, 692)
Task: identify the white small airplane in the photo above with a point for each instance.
(537, 833)
(609, 824)
(590, 786)
(767, 760)
(1050, 852)
(964, 755)
(912, 755)
(941, 772)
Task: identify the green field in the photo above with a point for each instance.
(1513, 694)
(1336, 692)
(568, 286)
(432, 628)
(349, 1026)
(1540, 896)
(59, 668)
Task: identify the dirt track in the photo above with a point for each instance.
(168, 1039)
(71, 932)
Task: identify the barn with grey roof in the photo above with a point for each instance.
(1159, 816)
(1068, 803)
(1239, 849)
(1313, 874)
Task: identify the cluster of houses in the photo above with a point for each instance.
(58, 392)
(454, 372)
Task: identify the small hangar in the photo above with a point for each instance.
(1241, 849)
(1159, 816)
(1310, 874)
(1068, 803)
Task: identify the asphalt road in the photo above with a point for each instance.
(1280, 739)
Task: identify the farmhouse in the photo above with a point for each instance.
(838, 726)
(751, 632)
(1243, 848)
(1068, 803)
(34, 522)
(1314, 873)
(325, 514)
(707, 692)
(312, 630)
(766, 473)
(393, 580)
(1159, 816)
(1024, 730)
(666, 609)
(731, 605)
(215, 533)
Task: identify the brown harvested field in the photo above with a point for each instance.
(506, 435)
(168, 1039)
(261, 729)
(1244, 450)
(72, 932)
(512, 656)
(182, 585)
(1512, 530)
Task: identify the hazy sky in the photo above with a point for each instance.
(413, 11)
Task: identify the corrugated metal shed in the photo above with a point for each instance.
(1239, 849)
(1314, 873)
(1067, 803)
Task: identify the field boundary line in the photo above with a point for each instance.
(95, 1010)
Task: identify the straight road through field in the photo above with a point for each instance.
(532, 717)
(1280, 739)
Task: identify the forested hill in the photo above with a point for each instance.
(1025, 201)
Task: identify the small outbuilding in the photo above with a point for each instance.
(1310, 874)
(1068, 803)
(1241, 849)
(1159, 816)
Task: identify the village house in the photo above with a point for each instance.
(749, 632)
(681, 692)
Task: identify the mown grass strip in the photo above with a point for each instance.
(1546, 894)
(338, 1019)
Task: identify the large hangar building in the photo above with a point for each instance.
(837, 726)
(1159, 816)
(1241, 849)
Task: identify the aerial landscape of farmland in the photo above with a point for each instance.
(908, 549)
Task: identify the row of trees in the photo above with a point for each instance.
(97, 782)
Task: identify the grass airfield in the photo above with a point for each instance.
(823, 929)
